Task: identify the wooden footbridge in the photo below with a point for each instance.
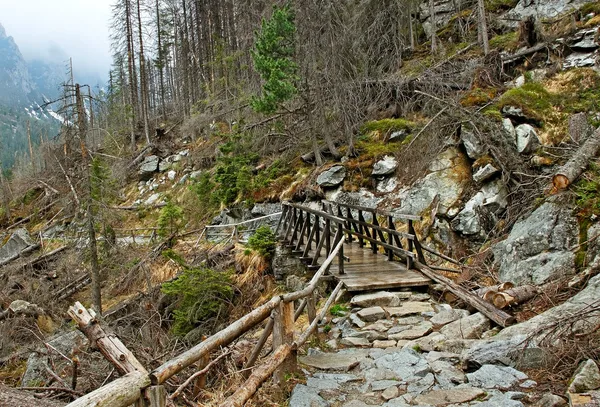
(361, 248)
(372, 243)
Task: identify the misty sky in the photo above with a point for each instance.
(42, 28)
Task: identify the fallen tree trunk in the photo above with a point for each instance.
(578, 162)
(498, 316)
(73, 287)
(123, 391)
(28, 218)
(521, 54)
(513, 296)
(16, 256)
(45, 257)
(487, 293)
(108, 344)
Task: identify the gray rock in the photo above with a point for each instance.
(264, 209)
(164, 165)
(355, 342)
(152, 199)
(380, 298)
(420, 297)
(387, 185)
(398, 136)
(484, 173)
(538, 248)
(473, 146)
(283, 264)
(36, 373)
(428, 343)
(16, 243)
(509, 129)
(390, 393)
(449, 175)
(550, 400)
(148, 167)
(379, 326)
(540, 10)
(512, 111)
(341, 360)
(357, 321)
(383, 344)
(386, 166)
(196, 174)
(379, 385)
(371, 314)
(496, 377)
(501, 400)
(332, 177)
(489, 201)
(171, 175)
(470, 327)
(527, 139)
(409, 308)
(414, 332)
(406, 364)
(447, 316)
(447, 375)
(580, 60)
(184, 179)
(303, 396)
(584, 40)
(450, 396)
(24, 307)
(361, 198)
(586, 377)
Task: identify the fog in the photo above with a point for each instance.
(54, 30)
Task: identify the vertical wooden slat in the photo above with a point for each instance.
(281, 219)
(390, 238)
(327, 237)
(309, 232)
(374, 242)
(340, 236)
(283, 333)
(311, 309)
(302, 230)
(361, 230)
(417, 244)
(320, 246)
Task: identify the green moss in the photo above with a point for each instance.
(338, 310)
(387, 125)
(593, 7)
(495, 6)
(532, 98)
(478, 97)
(508, 41)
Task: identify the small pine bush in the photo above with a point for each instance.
(170, 219)
(202, 294)
(263, 241)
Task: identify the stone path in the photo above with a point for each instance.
(399, 349)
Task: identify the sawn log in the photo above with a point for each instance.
(573, 168)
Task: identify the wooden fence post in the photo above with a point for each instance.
(155, 396)
(283, 333)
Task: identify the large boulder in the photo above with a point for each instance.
(486, 203)
(385, 166)
(473, 146)
(450, 173)
(148, 167)
(519, 345)
(538, 248)
(332, 177)
(527, 139)
(16, 243)
(539, 9)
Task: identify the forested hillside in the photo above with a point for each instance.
(178, 215)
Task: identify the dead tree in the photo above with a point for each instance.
(578, 162)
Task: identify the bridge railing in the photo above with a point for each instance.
(142, 388)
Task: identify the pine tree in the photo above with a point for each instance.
(273, 59)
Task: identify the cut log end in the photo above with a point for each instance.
(560, 182)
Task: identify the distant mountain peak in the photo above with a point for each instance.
(2, 31)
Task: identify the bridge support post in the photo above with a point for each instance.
(283, 333)
(155, 396)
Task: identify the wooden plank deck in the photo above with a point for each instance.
(367, 271)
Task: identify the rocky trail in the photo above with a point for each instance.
(398, 349)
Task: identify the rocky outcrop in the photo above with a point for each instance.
(18, 241)
(482, 207)
(448, 177)
(148, 167)
(538, 248)
(539, 10)
(385, 166)
(332, 177)
(526, 138)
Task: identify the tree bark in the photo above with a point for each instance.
(569, 172)
(482, 26)
(513, 296)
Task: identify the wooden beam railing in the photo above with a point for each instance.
(141, 388)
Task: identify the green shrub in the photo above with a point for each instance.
(203, 187)
(202, 294)
(532, 98)
(263, 241)
(338, 310)
(387, 125)
(170, 219)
